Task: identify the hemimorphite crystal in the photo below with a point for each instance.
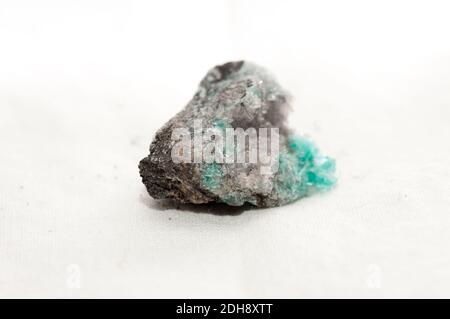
(303, 170)
(232, 97)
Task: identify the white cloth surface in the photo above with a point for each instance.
(84, 85)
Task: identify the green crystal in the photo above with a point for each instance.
(303, 171)
(212, 176)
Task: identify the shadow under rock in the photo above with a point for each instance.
(212, 208)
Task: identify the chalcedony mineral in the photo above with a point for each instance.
(231, 97)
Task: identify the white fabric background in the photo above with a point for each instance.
(84, 85)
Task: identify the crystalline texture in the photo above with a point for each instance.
(237, 95)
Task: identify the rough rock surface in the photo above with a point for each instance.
(236, 95)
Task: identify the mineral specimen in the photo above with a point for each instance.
(231, 145)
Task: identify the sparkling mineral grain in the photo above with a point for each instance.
(235, 97)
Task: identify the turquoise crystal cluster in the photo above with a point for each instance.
(303, 171)
(237, 95)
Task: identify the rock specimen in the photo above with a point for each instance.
(231, 144)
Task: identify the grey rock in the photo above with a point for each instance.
(236, 95)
